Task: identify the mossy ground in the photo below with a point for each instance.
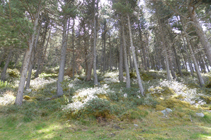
(124, 117)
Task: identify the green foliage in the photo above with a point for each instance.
(14, 73)
(133, 75)
(98, 108)
(115, 96)
(3, 84)
(11, 120)
(151, 75)
(122, 8)
(132, 114)
(47, 76)
(206, 118)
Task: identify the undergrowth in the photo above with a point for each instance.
(110, 111)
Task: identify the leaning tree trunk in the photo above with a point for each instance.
(3, 73)
(201, 81)
(19, 97)
(32, 60)
(134, 59)
(63, 55)
(203, 38)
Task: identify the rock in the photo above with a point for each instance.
(125, 95)
(200, 115)
(48, 98)
(136, 125)
(28, 91)
(166, 111)
(26, 97)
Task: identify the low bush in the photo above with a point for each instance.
(14, 73)
(98, 108)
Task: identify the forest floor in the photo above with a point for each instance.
(173, 110)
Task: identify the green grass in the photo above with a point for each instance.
(40, 119)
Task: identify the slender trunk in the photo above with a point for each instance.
(110, 54)
(90, 60)
(165, 51)
(134, 58)
(30, 71)
(171, 68)
(130, 60)
(41, 52)
(95, 54)
(63, 55)
(104, 47)
(3, 73)
(121, 58)
(73, 46)
(177, 61)
(23, 62)
(201, 81)
(16, 60)
(19, 97)
(2, 56)
(202, 62)
(45, 52)
(125, 58)
(31, 65)
(85, 51)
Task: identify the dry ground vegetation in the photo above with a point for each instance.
(108, 111)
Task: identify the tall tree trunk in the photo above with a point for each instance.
(104, 47)
(16, 60)
(19, 97)
(121, 58)
(2, 56)
(165, 50)
(63, 55)
(85, 51)
(41, 51)
(90, 59)
(125, 58)
(73, 46)
(45, 53)
(31, 64)
(134, 58)
(201, 81)
(3, 73)
(142, 46)
(203, 38)
(171, 68)
(95, 54)
(22, 62)
(110, 54)
(177, 60)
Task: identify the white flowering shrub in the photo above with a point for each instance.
(177, 89)
(7, 99)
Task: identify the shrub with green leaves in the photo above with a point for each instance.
(14, 73)
(3, 84)
(98, 107)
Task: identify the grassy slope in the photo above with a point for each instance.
(40, 119)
